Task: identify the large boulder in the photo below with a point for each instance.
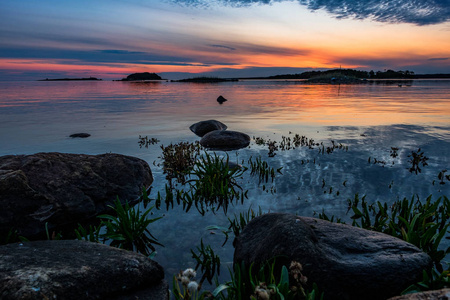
(225, 140)
(344, 261)
(203, 127)
(443, 294)
(77, 270)
(60, 190)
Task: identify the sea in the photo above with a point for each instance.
(375, 127)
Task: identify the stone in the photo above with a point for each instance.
(203, 127)
(221, 99)
(80, 135)
(225, 140)
(72, 269)
(443, 294)
(61, 190)
(345, 262)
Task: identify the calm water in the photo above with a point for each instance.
(369, 119)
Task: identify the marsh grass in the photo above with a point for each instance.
(128, 229)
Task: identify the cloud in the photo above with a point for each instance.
(439, 58)
(419, 12)
(225, 47)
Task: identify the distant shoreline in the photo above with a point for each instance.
(69, 79)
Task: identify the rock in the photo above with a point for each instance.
(344, 261)
(142, 76)
(80, 135)
(443, 294)
(65, 189)
(77, 270)
(203, 127)
(221, 99)
(225, 140)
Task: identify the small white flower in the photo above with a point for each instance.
(192, 287)
(190, 273)
(185, 280)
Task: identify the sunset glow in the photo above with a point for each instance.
(110, 39)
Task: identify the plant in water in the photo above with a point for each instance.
(179, 159)
(417, 158)
(208, 262)
(262, 169)
(129, 228)
(214, 183)
(92, 234)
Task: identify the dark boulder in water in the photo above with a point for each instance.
(72, 269)
(221, 99)
(58, 190)
(225, 140)
(80, 135)
(345, 262)
(203, 127)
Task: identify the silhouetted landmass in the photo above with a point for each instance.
(69, 79)
(205, 79)
(388, 74)
(142, 76)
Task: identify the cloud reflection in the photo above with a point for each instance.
(419, 12)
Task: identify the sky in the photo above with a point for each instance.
(111, 39)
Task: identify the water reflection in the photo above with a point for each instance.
(368, 118)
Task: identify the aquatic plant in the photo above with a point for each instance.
(129, 228)
(214, 183)
(262, 169)
(416, 158)
(208, 262)
(12, 236)
(144, 141)
(265, 283)
(179, 159)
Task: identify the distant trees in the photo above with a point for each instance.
(386, 74)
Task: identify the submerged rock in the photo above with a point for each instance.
(80, 135)
(203, 127)
(225, 140)
(60, 189)
(344, 261)
(77, 270)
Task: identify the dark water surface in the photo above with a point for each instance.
(368, 118)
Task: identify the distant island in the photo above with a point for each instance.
(353, 75)
(205, 79)
(69, 79)
(142, 76)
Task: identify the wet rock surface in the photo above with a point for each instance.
(65, 189)
(443, 294)
(344, 261)
(225, 140)
(77, 270)
(203, 127)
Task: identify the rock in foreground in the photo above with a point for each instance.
(77, 270)
(203, 127)
(344, 261)
(443, 294)
(64, 189)
(225, 140)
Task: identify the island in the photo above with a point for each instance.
(142, 76)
